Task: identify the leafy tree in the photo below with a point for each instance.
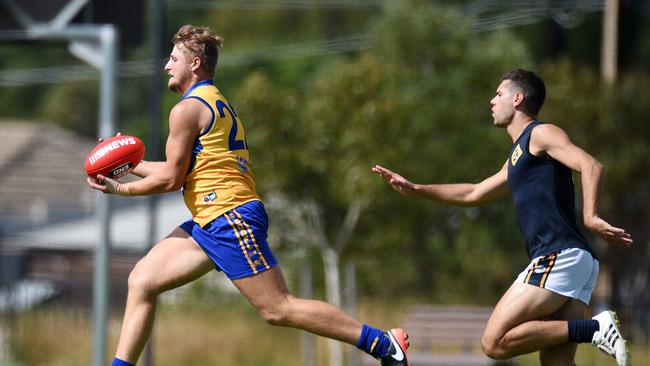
(414, 102)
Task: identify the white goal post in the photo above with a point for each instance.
(96, 45)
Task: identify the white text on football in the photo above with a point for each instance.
(110, 147)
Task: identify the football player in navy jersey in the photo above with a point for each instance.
(558, 282)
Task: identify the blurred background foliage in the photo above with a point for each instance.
(413, 96)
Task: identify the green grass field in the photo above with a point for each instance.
(221, 335)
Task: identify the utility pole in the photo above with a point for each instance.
(307, 292)
(609, 45)
(96, 45)
(156, 32)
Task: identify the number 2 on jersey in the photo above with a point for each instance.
(233, 143)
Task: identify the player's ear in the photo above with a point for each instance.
(196, 63)
(519, 98)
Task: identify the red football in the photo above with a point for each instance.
(115, 157)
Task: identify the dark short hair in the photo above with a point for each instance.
(531, 85)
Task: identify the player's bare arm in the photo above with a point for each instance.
(168, 176)
(550, 140)
(146, 168)
(400, 184)
(460, 194)
(185, 122)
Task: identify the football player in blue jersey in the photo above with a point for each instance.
(207, 156)
(558, 282)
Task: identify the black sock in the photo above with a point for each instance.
(582, 331)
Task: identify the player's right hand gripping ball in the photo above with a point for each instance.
(115, 157)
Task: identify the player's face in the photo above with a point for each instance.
(503, 104)
(179, 70)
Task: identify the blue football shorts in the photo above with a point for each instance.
(236, 241)
(571, 272)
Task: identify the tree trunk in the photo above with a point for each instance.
(333, 292)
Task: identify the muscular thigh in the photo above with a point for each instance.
(173, 262)
(546, 288)
(264, 289)
(522, 303)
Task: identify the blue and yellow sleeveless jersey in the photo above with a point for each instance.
(220, 176)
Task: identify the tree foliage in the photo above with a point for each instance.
(408, 103)
(416, 100)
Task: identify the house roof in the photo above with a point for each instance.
(129, 226)
(41, 171)
(45, 201)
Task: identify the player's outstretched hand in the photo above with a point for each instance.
(96, 184)
(608, 232)
(399, 183)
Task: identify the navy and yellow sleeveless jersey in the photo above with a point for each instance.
(543, 194)
(220, 176)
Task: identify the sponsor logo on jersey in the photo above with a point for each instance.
(243, 164)
(110, 147)
(209, 197)
(516, 154)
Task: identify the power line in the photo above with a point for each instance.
(76, 73)
(484, 15)
(496, 14)
(272, 4)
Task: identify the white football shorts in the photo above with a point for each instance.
(571, 272)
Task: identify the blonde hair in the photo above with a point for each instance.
(200, 42)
